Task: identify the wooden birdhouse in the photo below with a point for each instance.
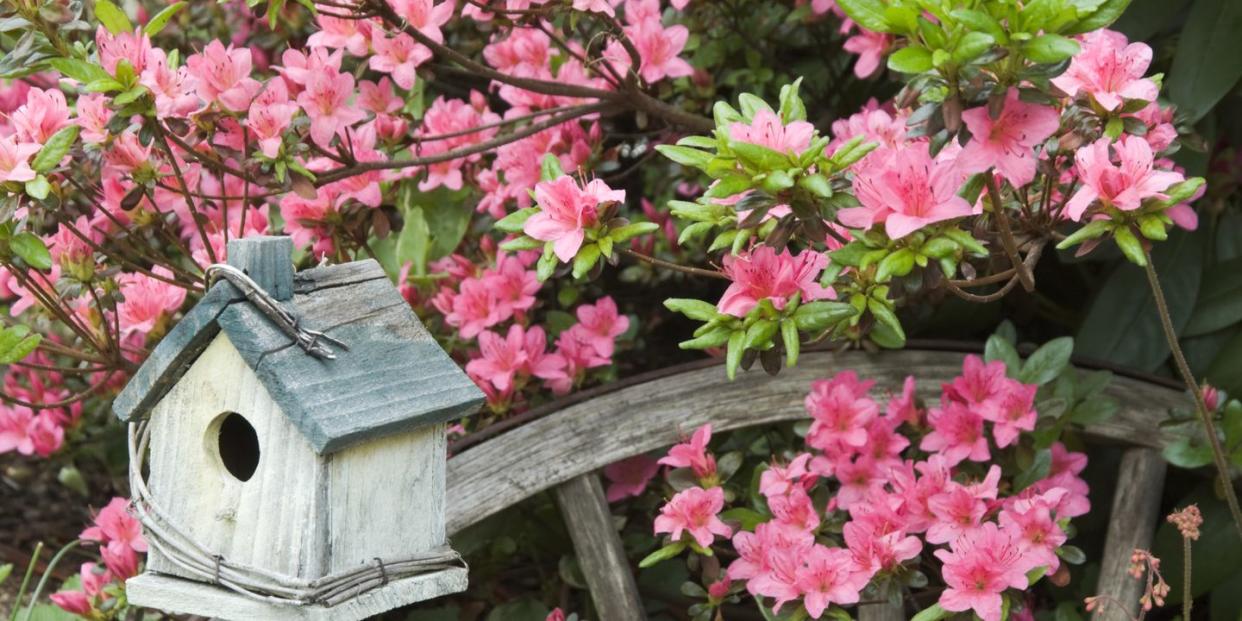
(287, 446)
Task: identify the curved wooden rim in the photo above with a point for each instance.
(596, 427)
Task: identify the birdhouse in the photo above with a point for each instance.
(287, 446)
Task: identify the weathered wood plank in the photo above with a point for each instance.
(266, 260)
(1136, 507)
(643, 417)
(880, 612)
(598, 548)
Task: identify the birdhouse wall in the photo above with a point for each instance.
(273, 519)
(386, 498)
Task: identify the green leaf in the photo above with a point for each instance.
(161, 19)
(1209, 57)
(1182, 192)
(414, 241)
(931, 613)
(1050, 48)
(760, 157)
(694, 309)
(867, 13)
(112, 17)
(130, 95)
(550, 168)
(1220, 299)
(547, 263)
(1047, 362)
(514, 222)
(1094, 410)
(1039, 468)
(16, 343)
(998, 348)
(884, 313)
(103, 85)
(686, 156)
(971, 46)
(981, 22)
(632, 230)
(715, 337)
(1121, 325)
(38, 187)
(793, 344)
(79, 70)
(1106, 13)
(911, 59)
(898, 263)
(820, 315)
(55, 149)
(521, 243)
(1092, 230)
(759, 335)
(733, 357)
(5, 571)
(588, 255)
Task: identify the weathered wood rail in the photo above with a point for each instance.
(564, 448)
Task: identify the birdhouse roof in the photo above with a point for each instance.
(394, 377)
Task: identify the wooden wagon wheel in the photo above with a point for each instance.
(565, 448)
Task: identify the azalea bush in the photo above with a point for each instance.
(572, 191)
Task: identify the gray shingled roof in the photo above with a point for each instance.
(393, 378)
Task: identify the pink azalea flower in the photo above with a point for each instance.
(114, 523)
(326, 102)
(556, 615)
(957, 434)
(513, 285)
(455, 117)
(841, 410)
(269, 117)
(693, 454)
(223, 75)
(602, 324)
(1123, 185)
(93, 117)
(877, 551)
(859, 478)
(121, 560)
(299, 68)
(1007, 142)
(830, 577)
(44, 113)
(598, 6)
(574, 347)
(336, 33)
(425, 15)
(399, 57)
(909, 193)
(658, 48)
(1015, 414)
(794, 509)
(566, 210)
(958, 513)
(15, 159)
(1032, 522)
(767, 130)
(29, 434)
(1110, 70)
(501, 358)
(904, 407)
(147, 300)
(173, 88)
(778, 480)
(93, 579)
(629, 477)
(694, 511)
(870, 48)
(132, 47)
(762, 274)
(978, 568)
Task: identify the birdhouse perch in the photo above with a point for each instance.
(287, 447)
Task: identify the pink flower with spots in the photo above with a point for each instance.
(875, 550)
(1034, 524)
(762, 274)
(131, 47)
(957, 434)
(830, 577)
(910, 192)
(93, 117)
(425, 15)
(326, 102)
(147, 300)
(694, 511)
(222, 75)
(337, 33)
(981, 385)
(566, 210)
(15, 159)
(767, 130)
(978, 567)
(1123, 185)
(778, 480)
(629, 477)
(1110, 70)
(520, 353)
(602, 324)
(269, 117)
(693, 454)
(958, 513)
(1014, 414)
(173, 88)
(44, 113)
(398, 56)
(1008, 142)
(114, 523)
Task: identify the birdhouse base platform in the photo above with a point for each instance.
(178, 595)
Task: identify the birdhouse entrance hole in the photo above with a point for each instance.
(238, 445)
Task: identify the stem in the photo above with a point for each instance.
(1006, 234)
(1170, 335)
(685, 269)
(21, 590)
(47, 573)
(1187, 600)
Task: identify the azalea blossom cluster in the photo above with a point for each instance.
(121, 546)
(882, 489)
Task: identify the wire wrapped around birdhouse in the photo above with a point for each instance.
(308, 340)
(254, 583)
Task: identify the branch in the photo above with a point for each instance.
(685, 269)
(1006, 235)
